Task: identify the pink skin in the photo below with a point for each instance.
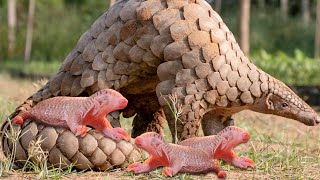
(224, 150)
(174, 158)
(220, 146)
(81, 111)
(156, 159)
(104, 104)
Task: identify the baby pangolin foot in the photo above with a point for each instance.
(136, 167)
(167, 171)
(222, 174)
(81, 131)
(116, 134)
(243, 163)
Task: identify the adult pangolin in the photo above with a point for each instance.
(149, 49)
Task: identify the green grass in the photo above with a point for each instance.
(37, 161)
(34, 68)
(7, 107)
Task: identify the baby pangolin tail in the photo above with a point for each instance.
(19, 119)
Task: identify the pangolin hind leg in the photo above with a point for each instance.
(149, 115)
(186, 125)
(212, 123)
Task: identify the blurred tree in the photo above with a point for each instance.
(12, 22)
(305, 9)
(27, 52)
(284, 9)
(217, 6)
(317, 40)
(261, 4)
(244, 26)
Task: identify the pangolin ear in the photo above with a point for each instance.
(269, 102)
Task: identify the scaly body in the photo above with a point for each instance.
(174, 157)
(220, 146)
(77, 112)
(156, 48)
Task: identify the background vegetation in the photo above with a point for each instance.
(283, 48)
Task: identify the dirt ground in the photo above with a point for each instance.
(281, 148)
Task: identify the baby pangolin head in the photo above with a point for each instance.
(149, 141)
(111, 99)
(232, 136)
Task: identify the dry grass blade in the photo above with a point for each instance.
(176, 110)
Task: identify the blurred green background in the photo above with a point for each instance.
(283, 48)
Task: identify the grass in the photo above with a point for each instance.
(176, 110)
(281, 148)
(34, 68)
(37, 161)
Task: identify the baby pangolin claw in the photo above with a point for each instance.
(81, 131)
(117, 134)
(243, 163)
(167, 171)
(135, 167)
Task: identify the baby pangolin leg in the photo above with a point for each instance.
(102, 125)
(81, 131)
(173, 169)
(76, 128)
(220, 173)
(149, 165)
(231, 157)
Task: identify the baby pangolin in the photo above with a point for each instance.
(77, 112)
(194, 155)
(220, 146)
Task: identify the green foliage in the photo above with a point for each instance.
(59, 24)
(294, 70)
(57, 27)
(269, 32)
(39, 68)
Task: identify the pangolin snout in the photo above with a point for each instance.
(317, 121)
(308, 118)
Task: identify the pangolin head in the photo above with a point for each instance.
(282, 101)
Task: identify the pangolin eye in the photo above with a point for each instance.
(285, 105)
